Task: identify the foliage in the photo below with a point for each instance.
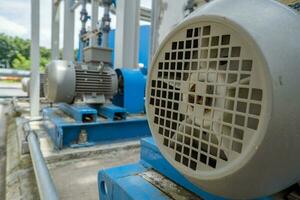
(21, 62)
(16, 52)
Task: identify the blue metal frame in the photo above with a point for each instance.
(65, 131)
(124, 182)
(78, 112)
(112, 112)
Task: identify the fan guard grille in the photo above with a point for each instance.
(205, 96)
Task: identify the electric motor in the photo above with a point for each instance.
(26, 85)
(66, 82)
(223, 98)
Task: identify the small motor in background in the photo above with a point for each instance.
(69, 82)
(26, 85)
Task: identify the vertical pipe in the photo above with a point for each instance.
(105, 40)
(35, 59)
(106, 26)
(83, 19)
(68, 51)
(95, 15)
(155, 13)
(55, 30)
(84, 13)
(127, 34)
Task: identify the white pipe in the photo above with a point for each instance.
(75, 5)
(155, 15)
(44, 181)
(105, 33)
(55, 30)
(127, 34)
(68, 50)
(35, 59)
(14, 73)
(95, 15)
(145, 13)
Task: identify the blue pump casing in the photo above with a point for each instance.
(131, 94)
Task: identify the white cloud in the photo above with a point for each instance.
(11, 28)
(16, 10)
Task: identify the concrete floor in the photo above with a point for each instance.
(2, 151)
(6, 90)
(74, 171)
(77, 179)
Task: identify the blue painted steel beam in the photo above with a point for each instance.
(79, 112)
(112, 112)
(124, 183)
(65, 132)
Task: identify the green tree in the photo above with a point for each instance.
(16, 51)
(21, 62)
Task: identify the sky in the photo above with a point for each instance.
(15, 19)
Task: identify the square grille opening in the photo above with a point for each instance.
(205, 92)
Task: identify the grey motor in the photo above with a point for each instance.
(68, 82)
(223, 103)
(26, 85)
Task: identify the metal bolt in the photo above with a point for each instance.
(82, 138)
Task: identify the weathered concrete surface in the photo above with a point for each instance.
(74, 171)
(20, 182)
(77, 179)
(2, 151)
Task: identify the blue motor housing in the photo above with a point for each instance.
(131, 92)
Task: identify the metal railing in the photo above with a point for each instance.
(14, 73)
